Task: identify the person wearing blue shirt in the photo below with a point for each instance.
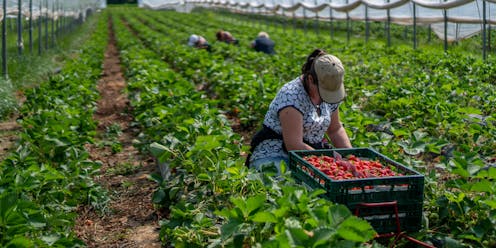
(263, 43)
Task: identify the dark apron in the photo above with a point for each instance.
(267, 133)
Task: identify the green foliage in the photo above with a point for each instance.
(49, 174)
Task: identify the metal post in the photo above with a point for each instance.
(294, 17)
(31, 26)
(388, 27)
(274, 15)
(4, 40)
(367, 32)
(348, 25)
(46, 25)
(304, 20)
(317, 21)
(40, 34)
(331, 26)
(484, 22)
(445, 12)
(429, 35)
(53, 26)
(414, 25)
(20, 45)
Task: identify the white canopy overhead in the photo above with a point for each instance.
(464, 17)
(51, 8)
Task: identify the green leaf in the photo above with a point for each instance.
(490, 203)
(7, 203)
(254, 203)
(156, 177)
(159, 196)
(263, 217)
(482, 186)
(50, 239)
(204, 177)
(449, 242)
(297, 237)
(207, 143)
(20, 242)
(338, 213)
(322, 236)
(317, 192)
(158, 150)
(356, 229)
(228, 229)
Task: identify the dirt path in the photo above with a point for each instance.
(131, 220)
(8, 136)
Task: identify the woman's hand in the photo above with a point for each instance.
(337, 133)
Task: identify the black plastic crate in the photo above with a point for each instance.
(407, 190)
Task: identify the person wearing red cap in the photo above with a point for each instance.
(302, 113)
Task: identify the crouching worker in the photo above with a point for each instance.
(263, 43)
(198, 42)
(303, 111)
(226, 37)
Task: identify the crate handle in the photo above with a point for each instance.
(398, 235)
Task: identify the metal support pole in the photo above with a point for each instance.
(52, 44)
(31, 26)
(484, 22)
(430, 33)
(331, 26)
(445, 12)
(388, 27)
(414, 25)
(304, 20)
(317, 21)
(283, 21)
(46, 25)
(20, 45)
(348, 27)
(4, 40)
(40, 34)
(367, 31)
(294, 17)
(274, 16)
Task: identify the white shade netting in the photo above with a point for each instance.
(52, 9)
(464, 18)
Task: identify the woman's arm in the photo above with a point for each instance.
(292, 129)
(337, 133)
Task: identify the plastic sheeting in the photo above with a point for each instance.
(51, 8)
(464, 17)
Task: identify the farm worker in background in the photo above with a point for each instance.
(263, 43)
(226, 37)
(303, 111)
(198, 42)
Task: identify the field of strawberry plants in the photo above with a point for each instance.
(45, 178)
(431, 111)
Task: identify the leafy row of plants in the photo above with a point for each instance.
(42, 54)
(212, 198)
(393, 89)
(50, 174)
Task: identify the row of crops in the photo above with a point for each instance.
(48, 175)
(428, 110)
(431, 111)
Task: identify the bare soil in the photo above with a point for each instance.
(131, 219)
(8, 136)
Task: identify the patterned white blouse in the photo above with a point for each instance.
(293, 94)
